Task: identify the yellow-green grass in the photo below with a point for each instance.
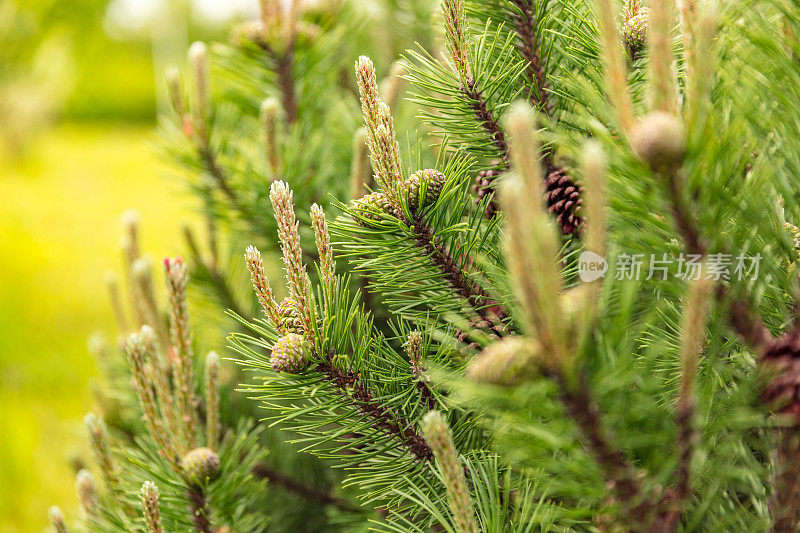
(59, 233)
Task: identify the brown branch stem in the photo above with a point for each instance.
(284, 63)
(784, 504)
(530, 47)
(485, 117)
(636, 506)
(489, 311)
(199, 509)
(289, 484)
(348, 383)
(286, 82)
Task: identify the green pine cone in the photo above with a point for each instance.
(428, 181)
(289, 354)
(370, 207)
(510, 361)
(200, 466)
(289, 319)
(634, 31)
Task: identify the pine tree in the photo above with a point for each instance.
(440, 356)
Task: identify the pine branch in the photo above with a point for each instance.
(289, 484)
(199, 509)
(485, 117)
(562, 194)
(637, 508)
(471, 291)
(347, 382)
(286, 82)
(283, 68)
(212, 166)
(525, 24)
(218, 281)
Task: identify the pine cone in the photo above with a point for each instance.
(509, 361)
(659, 139)
(634, 31)
(434, 183)
(484, 186)
(289, 318)
(200, 466)
(563, 199)
(289, 354)
(782, 392)
(370, 207)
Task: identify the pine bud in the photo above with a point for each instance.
(289, 235)
(695, 315)
(112, 285)
(594, 167)
(659, 140)
(423, 188)
(322, 238)
(414, 351)
(87, 494)
(289, 317)
(177, 278)
(212, 399)
(249, 32)
(456, 37)
(662, 76)
(200, 466)
(381, 138)
(388, 148)
(160, 379)
(270, 115)
(57, 520)
(532, 245)
(615, 74)
(509, 362)
(289, 354)
(440, 439)
(794, 232)
(140, 359)
(269, 10)
(145, 298)
(368, 93)
(390, 87)
(97, 344)
(261, 284)
(130, 225)
(198, 57)
(149, 495)
(371, 207)
(634, 30)
(172, 77)
(98, 442)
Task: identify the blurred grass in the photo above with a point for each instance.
(59, 234)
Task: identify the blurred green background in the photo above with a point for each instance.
(78, 101)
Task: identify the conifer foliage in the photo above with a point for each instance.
(576, 311)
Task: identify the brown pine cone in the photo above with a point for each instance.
(782, 361)
(563, 197)
(484, 186)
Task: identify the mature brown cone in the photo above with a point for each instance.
(484, 186)
(563, 199)
(782, 361)
(562, 195)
